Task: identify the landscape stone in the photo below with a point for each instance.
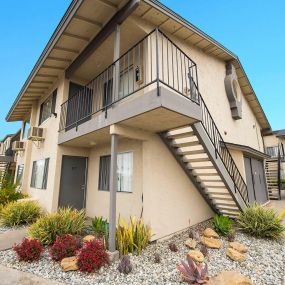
(89, 238)
(191, 243)
(210, 233)
(235, 255)
(229, 278)
(238, 246)
(211, 242)
(69, 263)
(196, 255)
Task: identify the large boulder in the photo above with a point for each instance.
(196, 255)
(210, 233)
(211, 242)
(230, 278)
(191, 243)
(235, 255)
(69, 263)
(238, 246)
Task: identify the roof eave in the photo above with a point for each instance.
(73, 7)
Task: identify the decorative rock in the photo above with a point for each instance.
(69, 263)
(235, 255)
(210, 233)
(211, 242)
(230, 278)
(191, 243)
(89, 238)
(196, 255)
(238, 246)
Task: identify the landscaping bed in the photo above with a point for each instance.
(264, 263)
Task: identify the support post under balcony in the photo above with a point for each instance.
(113, 193)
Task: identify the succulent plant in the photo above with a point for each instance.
(204, 250)
(192, 272)
(125, 265)
(157, 258)
(231, 236)
(173, 247)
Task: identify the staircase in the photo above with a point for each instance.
(271, 172)
(202, 154)
(4, 166)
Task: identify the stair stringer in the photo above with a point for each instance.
(204, 140)
(180, 161)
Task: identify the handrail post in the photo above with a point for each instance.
(157, 62)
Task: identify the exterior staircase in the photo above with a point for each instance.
(4, 166)
(273, 173)
(204, 157)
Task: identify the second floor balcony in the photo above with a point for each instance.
(152, 86)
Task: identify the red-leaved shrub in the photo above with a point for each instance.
(28, 250)
(65, 246)
(92, 256)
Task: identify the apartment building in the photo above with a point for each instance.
(132, 110)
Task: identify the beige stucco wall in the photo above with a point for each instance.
(170, 200)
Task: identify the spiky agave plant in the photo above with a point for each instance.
(192, 272)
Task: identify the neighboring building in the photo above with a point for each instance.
(275, 165)
(7, 158)
(107, 104)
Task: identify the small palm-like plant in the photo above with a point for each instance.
(192, 272)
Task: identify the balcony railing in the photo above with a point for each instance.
(153, 61)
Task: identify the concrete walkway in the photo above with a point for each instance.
(11, 276)
(9, 238)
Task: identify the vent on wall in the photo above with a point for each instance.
(18, 146)
(36, 134)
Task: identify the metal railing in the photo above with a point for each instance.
(154, 60)
(222, 151)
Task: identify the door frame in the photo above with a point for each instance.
(252, 177)
(85, 178)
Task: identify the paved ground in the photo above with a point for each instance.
(11, 276)
(279, 205)
(9, 238)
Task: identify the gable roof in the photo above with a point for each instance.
(81, 23)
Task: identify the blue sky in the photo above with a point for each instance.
(254, 30)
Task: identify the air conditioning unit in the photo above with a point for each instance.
(18, 146)
(36, 134)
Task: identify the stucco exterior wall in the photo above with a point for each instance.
(162, 192)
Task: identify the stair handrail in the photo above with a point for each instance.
(222, 151)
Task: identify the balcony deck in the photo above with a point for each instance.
(153, 87)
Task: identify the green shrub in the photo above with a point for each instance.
(10, 194)
(134, 237)
(99, 226)
(18, 213)
(261, 222)
(222, 225)
(64, 221)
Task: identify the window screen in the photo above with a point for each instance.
(40, 174)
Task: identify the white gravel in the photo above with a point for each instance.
(264, 264)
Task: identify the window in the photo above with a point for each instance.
(40, 174)
(47, 108)
(19, 175)
(25, 130)
(108, 90)
(124, 172)
(272, 151)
